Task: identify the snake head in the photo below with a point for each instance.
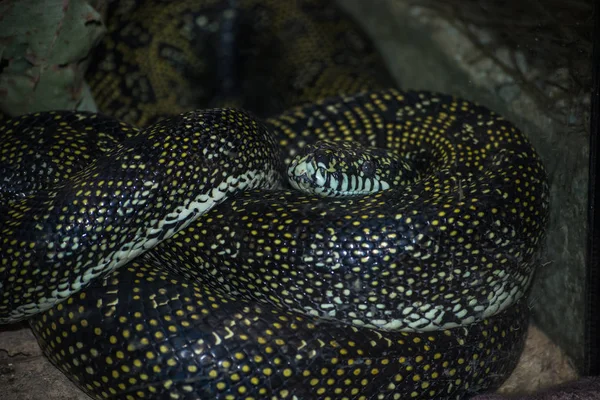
(345, 169)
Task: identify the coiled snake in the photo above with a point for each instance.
(175, 262)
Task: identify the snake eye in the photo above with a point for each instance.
(368, 168)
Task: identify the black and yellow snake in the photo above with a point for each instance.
(174, 261)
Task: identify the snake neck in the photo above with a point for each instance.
(128, 201)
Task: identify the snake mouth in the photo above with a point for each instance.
(304, 175)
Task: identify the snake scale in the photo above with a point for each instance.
(162, 255)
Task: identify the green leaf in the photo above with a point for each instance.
(44, 52)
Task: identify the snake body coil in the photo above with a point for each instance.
(417, 291)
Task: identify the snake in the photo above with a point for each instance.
(158, 249)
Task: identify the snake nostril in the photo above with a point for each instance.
(323, 158)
